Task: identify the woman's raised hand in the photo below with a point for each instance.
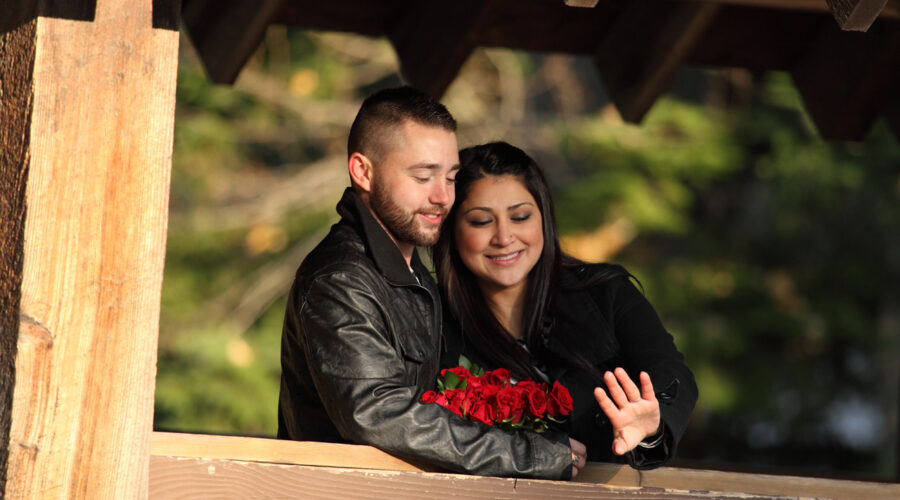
(634, 413)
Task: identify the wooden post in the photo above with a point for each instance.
(85, 179)
(16, 63)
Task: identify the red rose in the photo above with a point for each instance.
(474, 382)
(560, 403)
(482, 412)
(500, 377)
(509, 405)
(456, 401)
(460, 372)
(488, 392)
(536, 399)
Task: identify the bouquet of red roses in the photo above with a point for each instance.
(494, 399)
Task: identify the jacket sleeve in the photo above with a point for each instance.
(364, 383)
(647, 346)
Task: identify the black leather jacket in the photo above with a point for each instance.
(361, 343)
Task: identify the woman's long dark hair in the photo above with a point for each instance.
(459, 286)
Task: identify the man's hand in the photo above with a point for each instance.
(579, 456)
(634, 414)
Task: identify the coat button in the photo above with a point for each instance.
(600, 419)
(668, 394)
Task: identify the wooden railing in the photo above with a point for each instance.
(192, 465)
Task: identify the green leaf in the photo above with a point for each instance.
(465, 363)
(451, 381)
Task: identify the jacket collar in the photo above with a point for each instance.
(378, 243)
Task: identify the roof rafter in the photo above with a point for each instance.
(855, 15)
(642, 52)
(435, 38)
(847, 79)
(225, 34)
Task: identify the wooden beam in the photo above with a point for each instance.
(96, 125)
(892, 115)
(366, 18)
(891, 8)
(588, 4)
(639, 57)
(855, 15)
(435, 39)
(252, 449)
(226, 34)
(181, 464)
(175, 477)
(788, 37)
(15, 13)
(846, 81)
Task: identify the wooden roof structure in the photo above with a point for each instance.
(87, 109)
(843, 55)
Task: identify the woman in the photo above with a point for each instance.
(515, 301)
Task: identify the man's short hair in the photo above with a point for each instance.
(384, 111)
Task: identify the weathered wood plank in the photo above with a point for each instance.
(764, 484)
(588, 4)
(225, 34)
(100, 145)
(640, 55)
(172, 477)
(188, 457)
(280, 451)
(847, 80)
(855, 15)
(16, 66)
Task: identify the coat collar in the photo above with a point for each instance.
(378, 243)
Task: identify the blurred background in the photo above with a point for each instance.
(771, 255)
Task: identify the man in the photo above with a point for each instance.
(361, 339)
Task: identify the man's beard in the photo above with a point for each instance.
(403, 225)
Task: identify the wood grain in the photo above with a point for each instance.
(278, 451)
(182, 465)
(97, 201)
(176, 478)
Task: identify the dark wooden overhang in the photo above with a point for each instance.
(843, 55)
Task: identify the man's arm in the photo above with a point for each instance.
(363, 382)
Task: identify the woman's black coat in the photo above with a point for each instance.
(595, 328)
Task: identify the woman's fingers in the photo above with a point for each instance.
(628, 386)
(615, 390)
(647, 387)
(606, 404)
